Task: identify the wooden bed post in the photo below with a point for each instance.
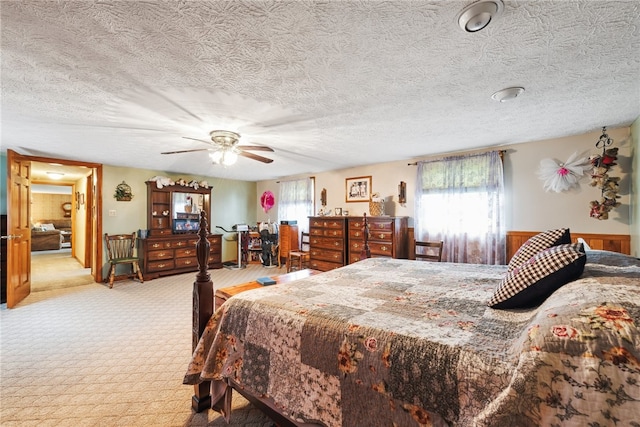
(366, 252)
(203, 308)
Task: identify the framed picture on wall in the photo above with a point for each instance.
(358, 189)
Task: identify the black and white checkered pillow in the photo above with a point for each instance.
(538, 243)
(531, 283)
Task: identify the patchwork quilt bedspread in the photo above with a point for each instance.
(405, 343)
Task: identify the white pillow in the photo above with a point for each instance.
(47, 227)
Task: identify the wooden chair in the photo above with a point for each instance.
(299, 259)
(429, 251)
(121, 250)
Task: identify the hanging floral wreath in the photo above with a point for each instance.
(600, 178)
(267, 201)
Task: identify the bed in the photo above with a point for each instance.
(389, 342)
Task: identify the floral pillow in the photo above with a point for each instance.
(531, 283)
(538, 243)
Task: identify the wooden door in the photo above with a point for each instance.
(19, 228)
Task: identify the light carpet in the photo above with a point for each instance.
(93, 356)
(57, 269)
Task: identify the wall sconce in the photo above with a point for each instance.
(402, 193)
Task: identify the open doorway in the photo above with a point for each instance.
(58, 217)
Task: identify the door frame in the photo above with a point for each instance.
(94, 211)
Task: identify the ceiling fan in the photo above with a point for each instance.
(226, 149)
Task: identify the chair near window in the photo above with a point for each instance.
(428, 251)
(299, 259)
(121, 249)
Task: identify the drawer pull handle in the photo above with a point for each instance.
(356, 246)
(161, 265)
(357, 234)
(156, 245)
(381, 236)
(187, 262)
(384, 248)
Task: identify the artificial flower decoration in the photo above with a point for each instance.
(562, 176)
(267, 200)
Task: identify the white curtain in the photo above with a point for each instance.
(296, 202)
(459, 200)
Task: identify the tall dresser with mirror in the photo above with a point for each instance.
(173, 218)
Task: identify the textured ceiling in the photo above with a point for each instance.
(327, 85)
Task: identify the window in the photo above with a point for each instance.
(296, 201)
(460, 200)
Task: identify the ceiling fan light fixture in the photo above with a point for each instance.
(478, 15)
(224, 137)
(224, 157)
(507, 94)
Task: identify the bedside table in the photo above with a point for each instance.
(223, 294)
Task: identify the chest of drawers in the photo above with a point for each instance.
(175, 254)
(388, 237)
(327, 242)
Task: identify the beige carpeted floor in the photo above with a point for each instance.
(57, 269)
(88, 355)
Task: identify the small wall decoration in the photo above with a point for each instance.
(123, 192)
(600, 178)
(323, 197)
(560, 177)
(402, 193)
(267, 201)
(358, 189)
(66, 208)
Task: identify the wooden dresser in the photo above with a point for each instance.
(172, 219)
(327, 242)
(388, 237)
(175, 254)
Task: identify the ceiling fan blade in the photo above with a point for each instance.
(186, 151)
(255, 148)
(254, 156)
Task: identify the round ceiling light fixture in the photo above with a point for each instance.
(507, 94)
(478, 15)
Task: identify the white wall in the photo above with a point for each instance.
(529, 207)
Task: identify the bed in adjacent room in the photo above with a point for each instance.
(406, 343)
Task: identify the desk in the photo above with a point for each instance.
(224, 294)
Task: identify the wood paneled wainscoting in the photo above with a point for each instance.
(608, 242)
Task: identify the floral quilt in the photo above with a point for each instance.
(386, 342)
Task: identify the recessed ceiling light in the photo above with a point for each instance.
(478, 15)
(507, 94)
(55, 175)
